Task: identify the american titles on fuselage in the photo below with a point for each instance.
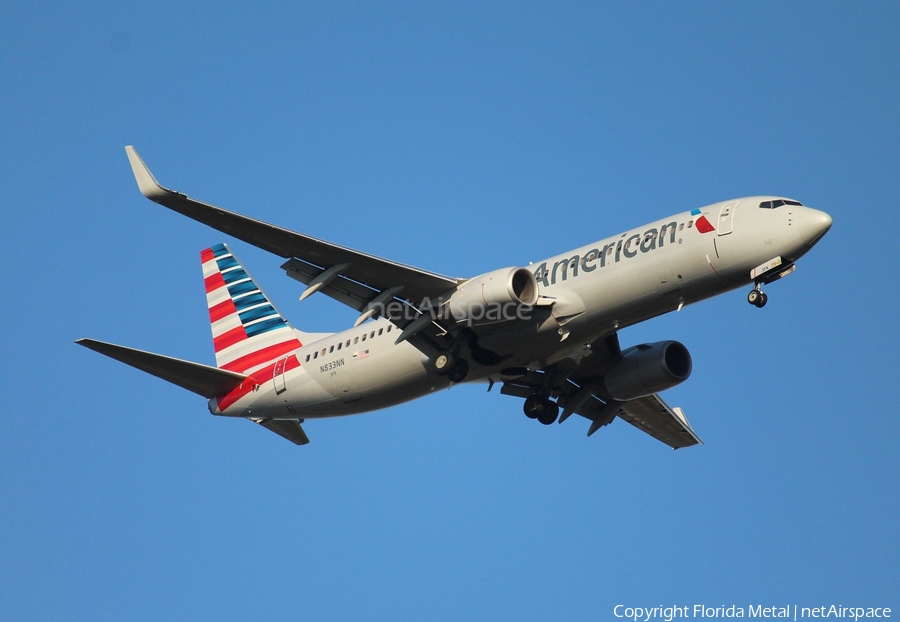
(626, 247)
(484, 310)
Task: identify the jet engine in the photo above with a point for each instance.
(494, 296)
(646, 369)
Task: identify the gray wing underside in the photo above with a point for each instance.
(652, 415)
(362, 278)
(649, 414)
(585, 397)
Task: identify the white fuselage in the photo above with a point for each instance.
(586, 293)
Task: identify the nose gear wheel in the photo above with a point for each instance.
(756, 297)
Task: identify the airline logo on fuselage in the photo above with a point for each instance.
(626, 247)
(703, 225)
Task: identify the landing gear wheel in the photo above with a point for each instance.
(551, 413)
(459, 372)
(444, 363)
(541, 408)
(762, 300)
(753, 297)
(534, 406)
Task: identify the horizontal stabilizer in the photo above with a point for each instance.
(201, 379)
(652, 415)
(286, 428)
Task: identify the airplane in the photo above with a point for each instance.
(547, 332)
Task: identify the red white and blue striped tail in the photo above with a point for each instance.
(248, 332)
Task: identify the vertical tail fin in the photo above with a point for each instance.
(247, 330)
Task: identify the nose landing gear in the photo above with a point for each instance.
(756, 297)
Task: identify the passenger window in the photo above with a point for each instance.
(307, 358)
(690, 224)
(348, 343)
(681, 226)
(340, 344)
(356, 340)
(331, 349)
(323, 351)
(364, 337)
(372, 335)
(390, 327)
(380, 332)
(316, 354)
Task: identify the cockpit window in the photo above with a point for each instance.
(779, 203)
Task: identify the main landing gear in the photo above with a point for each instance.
(445, 364)
(756, 297)
(543, 409)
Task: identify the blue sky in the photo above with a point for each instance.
(458, 137)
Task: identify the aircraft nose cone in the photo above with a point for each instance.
(814, 224)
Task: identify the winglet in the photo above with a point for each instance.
(146, 182)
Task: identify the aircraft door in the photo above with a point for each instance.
(278, 376)
(726, 218)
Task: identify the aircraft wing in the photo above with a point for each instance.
(349, 276)
(648, 414)
(652, 415)
(582, 396)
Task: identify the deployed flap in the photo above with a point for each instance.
(201, 379)
(652, 415)
(375, 272)
(286, 428)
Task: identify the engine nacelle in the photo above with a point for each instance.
(493, 297)
(648, 368)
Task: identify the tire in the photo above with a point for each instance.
(534, 406)
(443, 363)
(460, 371)
(753, 297)
(763, 299)
(550, 414)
